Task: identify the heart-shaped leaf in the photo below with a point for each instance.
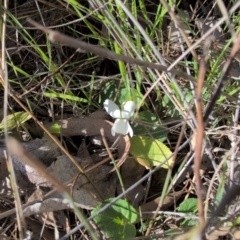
(116, 221)
(131, 94)
(150, 152)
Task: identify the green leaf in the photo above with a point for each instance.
(165, 100)
(221, 186)
(189, 205)
(55, 128)
(116, 221)
(132, 95)
(188, 95)
(108, 91)
(15, 120)
(121, 64)
(64, 96)
(234, 222)
(150, 152)
(152, 126)
(188, 222)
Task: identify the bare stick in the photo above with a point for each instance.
(55, 36)
(199, 140)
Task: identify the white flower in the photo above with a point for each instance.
(121, 124)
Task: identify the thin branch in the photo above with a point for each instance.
(61, 38)
(199, 139)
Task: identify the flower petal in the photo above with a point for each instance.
(120, 126)
(130, 130)
(112, 108)
(113, 132)
(125, 114)
(129, 107)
